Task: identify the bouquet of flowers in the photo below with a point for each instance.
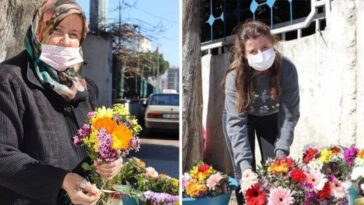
(279, 181)
(146, 184)
(356, 157)
(109, 133)
(203, 180)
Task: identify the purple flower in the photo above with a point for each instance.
(350, 154)
(135, 144)
(310, 198)
(81, 133)
(160, 198)
(90, 115)
(105, 148)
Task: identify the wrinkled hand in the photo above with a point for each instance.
(109, 169)
(80, 193)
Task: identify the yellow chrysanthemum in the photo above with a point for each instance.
(103, 112)
(92, 141)
(121, 137)
(325, 156)
(278, 168)
(175, 182)
(201, 172)
(195, 189)
(120, 109)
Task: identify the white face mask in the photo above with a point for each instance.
(262, 60)
(60, 58)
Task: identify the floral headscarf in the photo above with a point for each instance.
(46, 18)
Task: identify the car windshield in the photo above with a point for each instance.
(165, 99)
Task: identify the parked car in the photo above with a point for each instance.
(162, 112)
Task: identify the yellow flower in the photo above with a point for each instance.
(92, 142)
(139, 162)
(121, 137)
(278, 168)
(195, 189)
(120, 109)
(175, 182)
(325, 156)
(102, 112)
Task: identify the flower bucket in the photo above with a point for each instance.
(126, 200)
(122, 200)
(222, 199)
(352, 195)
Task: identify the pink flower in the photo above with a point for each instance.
(280, 196)
(317, 179)
(337, 189)
(150, 171)
(213, 180)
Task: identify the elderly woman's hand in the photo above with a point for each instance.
(109, 169)
(80, 190)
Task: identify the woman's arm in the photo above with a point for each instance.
(18, 171)
(236, 126)
(289, 108)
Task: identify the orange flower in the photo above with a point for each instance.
(278, 168)
(361, 154)
(105, 123)
(121, 137)
(195, 189)
(335, 150)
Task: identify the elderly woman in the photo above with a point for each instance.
(43, 101)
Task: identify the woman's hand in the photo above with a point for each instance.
(248, 173)
(109, 169)
(80, 190)
(248, 179)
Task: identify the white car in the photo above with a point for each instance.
(162, 112)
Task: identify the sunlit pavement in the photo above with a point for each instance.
(161, 151)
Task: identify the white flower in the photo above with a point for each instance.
(248, 182)
(362, 187)
(358, 172)
(359, 161)
(315, 165)
(150, 171)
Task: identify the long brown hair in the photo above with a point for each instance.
(244, 80)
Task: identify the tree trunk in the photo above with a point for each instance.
(15, 18)
(192, 84)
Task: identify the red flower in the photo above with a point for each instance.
(325, 192)
(298, 175)
(255, 195)
(290, 163)
(309, 155)
(203, 168)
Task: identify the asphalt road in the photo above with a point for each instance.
(161, 151)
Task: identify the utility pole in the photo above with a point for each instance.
(158, 77)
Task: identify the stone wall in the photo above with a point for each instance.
(16, 16)
(330, 66)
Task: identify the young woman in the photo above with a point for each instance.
(261, 99)
(43, 102)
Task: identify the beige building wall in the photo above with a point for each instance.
(330, 66)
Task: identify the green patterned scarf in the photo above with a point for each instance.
(45, 20)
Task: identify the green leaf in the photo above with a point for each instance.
(86, 166)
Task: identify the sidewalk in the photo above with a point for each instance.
(232, 199)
